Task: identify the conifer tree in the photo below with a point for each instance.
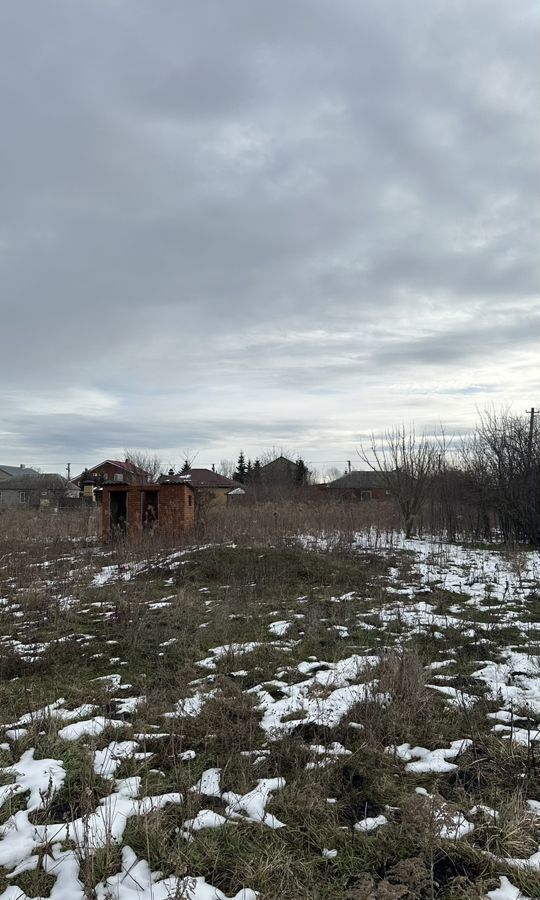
(302, 473)
(241, 468)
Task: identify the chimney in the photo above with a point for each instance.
(21, 466)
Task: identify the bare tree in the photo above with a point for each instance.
(149, 462)
(406, 464)
(315, 476)
(332, 473)
(188, 457)
(474, 466)
(268, 456)
(502, 463)
(226, 468)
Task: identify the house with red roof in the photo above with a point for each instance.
(117, 470)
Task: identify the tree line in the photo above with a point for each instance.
(487, 486)
(249, 473)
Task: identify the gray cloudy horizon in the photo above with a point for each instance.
(246, 225)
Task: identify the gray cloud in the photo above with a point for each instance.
(467, 343)
(213, 215)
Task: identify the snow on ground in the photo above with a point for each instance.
(429, 761)
(313, 692)
(299, 704)
(238, 807)
(506, 891)
(109, 760)
(88, 728)
(93, 832)
(41, 778)
(371, 823)
(137, 882)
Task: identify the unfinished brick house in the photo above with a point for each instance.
(133, 510)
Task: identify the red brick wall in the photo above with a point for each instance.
(176, 509)
(176, 513)
(105, 516)
(134, 512)
(356, 493)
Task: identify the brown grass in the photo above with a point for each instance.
(233, 593)
(277, 522)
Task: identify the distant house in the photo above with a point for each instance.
(117, 470)
(37, 490)
(358, 486)
(279, 471)
(21, 471)
(209, 487)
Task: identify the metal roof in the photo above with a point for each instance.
(49, 481)
(365, 481)
(18, 471)
(199, 478)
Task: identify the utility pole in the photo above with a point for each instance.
(531, 435)
(349, 466)
(530, 478)
(68, 470)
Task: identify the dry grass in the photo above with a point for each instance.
(227, 594)
(23, 527)
(277, 522)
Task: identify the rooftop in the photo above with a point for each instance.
(202, 478)
(17, 471)
(123, 464)
(365, 481)
(41, 481)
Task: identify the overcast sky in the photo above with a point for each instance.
(248, 224)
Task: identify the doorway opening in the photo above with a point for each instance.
(118, 513)
(150, 510)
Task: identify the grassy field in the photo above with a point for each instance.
(309, 716)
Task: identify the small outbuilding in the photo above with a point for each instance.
(133, 510)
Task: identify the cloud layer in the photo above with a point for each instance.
(252, 224)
